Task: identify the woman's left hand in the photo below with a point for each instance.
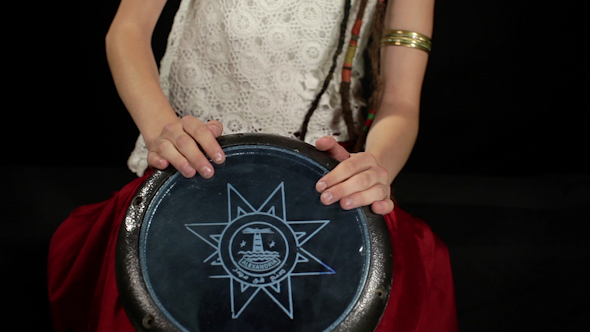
(357, 181)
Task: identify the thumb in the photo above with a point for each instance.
(216, 127)
(329, 144)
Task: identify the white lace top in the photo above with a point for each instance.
(256, 66)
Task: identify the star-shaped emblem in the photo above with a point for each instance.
(259, 250)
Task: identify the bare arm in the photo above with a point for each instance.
(365, 178)
(394, 130)
(134, 69)
(135, 73)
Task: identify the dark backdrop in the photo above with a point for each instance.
(500, 169)
(500, 96)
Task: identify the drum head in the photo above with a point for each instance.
(252, 248)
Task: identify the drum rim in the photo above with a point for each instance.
(140, 307)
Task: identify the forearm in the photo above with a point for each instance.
(134, 69)
(394, 130)
(392, 136)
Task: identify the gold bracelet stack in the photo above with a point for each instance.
(406, 38)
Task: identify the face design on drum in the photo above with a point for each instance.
(259, 250)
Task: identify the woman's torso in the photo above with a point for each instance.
(257, 65)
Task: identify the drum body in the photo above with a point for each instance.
(252, 248)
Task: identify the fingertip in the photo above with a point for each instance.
(347, 203)
(162, 163)
(218, 158)
(206, 171)
(324, 143)
(188, 171)
(156, 161)
(216, 127)
(382, 207)
(327, 198)
(376, 208)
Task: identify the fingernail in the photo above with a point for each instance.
(162, 164)
(188, 170)
(206, 172)
(327, 197)
(347, 202)
(219, 130)
(322, 186)
(218, 157)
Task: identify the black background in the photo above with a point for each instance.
(503, 111)
(503, 92)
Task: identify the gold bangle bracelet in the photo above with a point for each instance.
(409, 34)
(406, 43)
(406, 38)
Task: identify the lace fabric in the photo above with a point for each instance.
(257, 65)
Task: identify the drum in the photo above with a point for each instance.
(252, 248)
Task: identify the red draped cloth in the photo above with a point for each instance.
(84, 297)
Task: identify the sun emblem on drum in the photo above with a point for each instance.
(258, 250)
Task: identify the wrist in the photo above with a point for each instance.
(150, 129)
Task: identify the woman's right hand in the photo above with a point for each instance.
(136, 76)
(178, 145)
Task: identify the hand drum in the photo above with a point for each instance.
(252, 248)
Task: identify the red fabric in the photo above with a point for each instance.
(83, 291)
(422, 294)
(81, 267)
